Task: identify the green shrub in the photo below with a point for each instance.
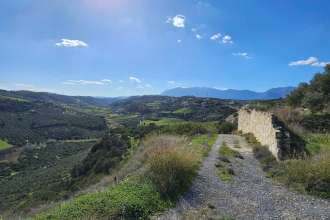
(225, 170)
(317, 123)
(226, 128)
(103, 157)
(129, 200)
(317, 142)
(266, 158)
(187, 128)
(251, 139)
(171, 168)
(314, 95)
(4, 145)
(311, 175)
(226, 151)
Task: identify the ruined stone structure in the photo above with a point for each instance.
(268, 130)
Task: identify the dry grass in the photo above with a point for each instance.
(172, 165)
(292, 117)
(311, 175)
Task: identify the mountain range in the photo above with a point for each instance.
(274, 93)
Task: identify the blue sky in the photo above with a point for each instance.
(134, 47)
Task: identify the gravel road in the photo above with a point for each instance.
(250, 195)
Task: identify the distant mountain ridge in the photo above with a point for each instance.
(60, 99)
(274, 93)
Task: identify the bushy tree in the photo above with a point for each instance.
(297, 95)
(315, 95)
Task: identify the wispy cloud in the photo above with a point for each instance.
(71, 43)
(143, 86)
(227, 39)
(108, 81)
(198, 37)
(177, 21)
(311, 61)
(242, 54)
(171, 82)
(179, 41)
(216, 36)
(88, 82)
(135, 79)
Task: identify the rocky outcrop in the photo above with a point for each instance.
(271, 132)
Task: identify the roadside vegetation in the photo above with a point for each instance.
(306, 112)
(4, 145)
(226, 127)
(166, 170)
(225, 169)
(310, 175)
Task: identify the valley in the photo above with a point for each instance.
(164, 110)
(162, 157)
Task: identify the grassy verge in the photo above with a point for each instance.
(165, 169)
(163, 121)
(310, 175)
(4, 145)
(267, 161)
(202, 144)
(225, 170)
(132, 199)
(317, 142)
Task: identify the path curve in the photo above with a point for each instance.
(250, 195)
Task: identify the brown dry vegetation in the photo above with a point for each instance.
(311, 175)
(154, 175)
(172, 165)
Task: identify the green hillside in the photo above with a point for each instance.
(186, 108)
(23, 121)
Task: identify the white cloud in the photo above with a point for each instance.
(148, 86)
(172, 83)
(242, 54)
(177, 21)
(134, 79)
(194, 30)
(227, 39)
(88, 82)
(311, 61)
(216, 36)
(179, 41)
(121, 81)
(107, 81)
(321, 64)
(199, 37)
(71, 43)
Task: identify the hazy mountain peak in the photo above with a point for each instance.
(274, 93)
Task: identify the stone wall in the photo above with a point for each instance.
(267, 129)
